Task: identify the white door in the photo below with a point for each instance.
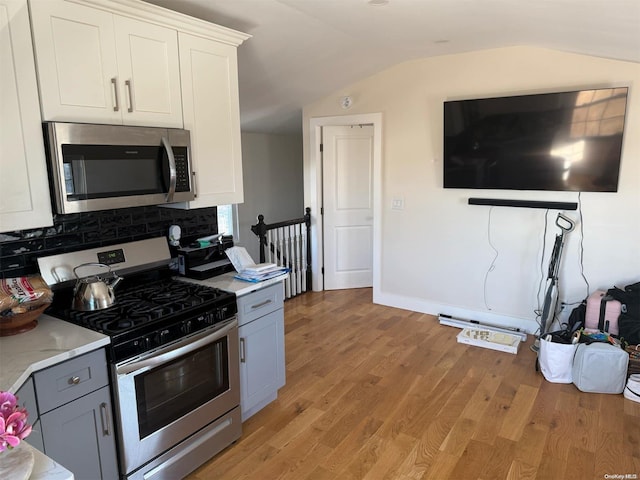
(347, 191)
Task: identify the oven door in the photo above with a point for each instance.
(166, 396)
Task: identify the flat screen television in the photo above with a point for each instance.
(564, 141)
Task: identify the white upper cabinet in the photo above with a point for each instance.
(209, 77)
(24, 198)
(149, 70)
(99, 67)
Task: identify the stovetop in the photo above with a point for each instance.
(152, 308)
(150, 313)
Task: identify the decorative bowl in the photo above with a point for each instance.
(20, 322)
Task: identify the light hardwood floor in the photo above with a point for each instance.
(380, 393)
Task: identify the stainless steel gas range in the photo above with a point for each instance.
(173, 357)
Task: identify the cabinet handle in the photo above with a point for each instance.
(261, 304)
(114, 86)
(127, 83)
(73, 381)
(104, 419)
(243, 358)
(195, 185)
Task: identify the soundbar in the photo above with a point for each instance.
(499, 202)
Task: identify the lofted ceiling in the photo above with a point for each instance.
(302, 50)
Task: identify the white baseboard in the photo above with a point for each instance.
(437, 309)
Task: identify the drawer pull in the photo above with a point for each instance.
(74, 380)
(261, 304)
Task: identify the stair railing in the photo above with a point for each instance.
(288, 244)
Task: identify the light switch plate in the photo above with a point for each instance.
(397, 203)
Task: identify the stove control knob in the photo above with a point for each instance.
(187, 326)
(141, 345)
(164, 337)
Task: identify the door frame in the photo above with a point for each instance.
(315, 182)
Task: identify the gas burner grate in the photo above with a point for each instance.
(139, 304)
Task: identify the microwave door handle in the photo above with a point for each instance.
(172, 170)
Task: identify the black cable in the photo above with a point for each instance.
(493, 262)
(582, 244)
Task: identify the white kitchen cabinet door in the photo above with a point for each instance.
(97, 67)
(24, 201)
(210, 103)
(262, 362)
(149, 73)
(76, 60)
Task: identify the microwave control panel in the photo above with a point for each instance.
(182, 173)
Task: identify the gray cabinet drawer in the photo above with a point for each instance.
(69, 380)
(259, 303)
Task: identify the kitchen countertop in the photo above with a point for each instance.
(46, 469)
(51, 342)
(24, 461)
(228, 283)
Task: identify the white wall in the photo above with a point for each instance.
(272, 175)
(435, 254)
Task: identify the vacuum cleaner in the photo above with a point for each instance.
(566, 225)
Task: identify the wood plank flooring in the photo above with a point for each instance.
(375, 392)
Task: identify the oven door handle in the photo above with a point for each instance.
(176, 351)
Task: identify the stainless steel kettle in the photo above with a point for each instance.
(94, 292)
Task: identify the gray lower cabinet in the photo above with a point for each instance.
(75, 415)
(79, 435)
(262, 360)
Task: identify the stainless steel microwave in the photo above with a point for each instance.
(99, 167)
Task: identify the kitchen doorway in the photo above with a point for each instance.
(316, 200)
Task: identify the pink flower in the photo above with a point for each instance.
(7, 403)
(13, 422)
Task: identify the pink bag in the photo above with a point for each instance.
(602, 312)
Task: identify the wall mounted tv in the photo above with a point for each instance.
(565, 141)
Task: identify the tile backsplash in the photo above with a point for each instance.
(79, 231)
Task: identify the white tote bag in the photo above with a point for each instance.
(556, 360)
